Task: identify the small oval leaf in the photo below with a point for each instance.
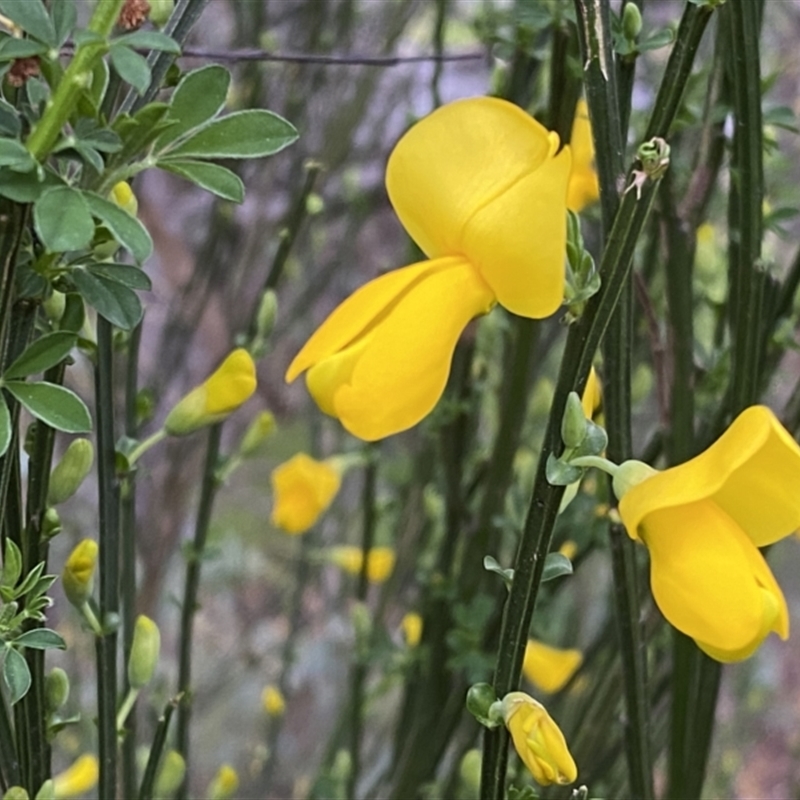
(211, 177)
(63, 220)
(556, 565)
(127, 230)
(16, 675)
(55, 405)
(117, 303)
(40, 639)
(45, 352)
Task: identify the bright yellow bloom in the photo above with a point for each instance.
(219, 395)
(380, 561)
(411, 625)
(80, 778)
(224, 784)
(703, 522)
(584, 188)
(272, 701)
(592, 394)
(538, 740)
(302, 488)
(77, 576)
(479, 187)
(549, 668)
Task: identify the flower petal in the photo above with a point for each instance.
(752, 471)
(549, 668)
(583, 184)
(708, 578)
(402, 364)
(457, 160)
(518, 240)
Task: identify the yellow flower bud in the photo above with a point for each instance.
(224, 784)
(549, 668)
(568, 549)
(260, 429)
(144, 652)
(411, 625)
(78, 573)
(302, 489)
(538, 740)
(272, 701)
(122, 195)
(80, 778)
(218, 396)
(70, 472)
(171, 774)
(380, 561)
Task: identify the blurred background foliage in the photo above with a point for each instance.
(266, 595)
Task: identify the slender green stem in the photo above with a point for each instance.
(145, 445)
(194, 560)
(359, 672)
(438, 49)
(76, 78)
(126, 707)
(9, 763)
(106, 645)
(598, 462)
(156, 749)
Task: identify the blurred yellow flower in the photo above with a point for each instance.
(233, 382)
(480, 187)
(224, 784)
(703, 522)
(549, 668)
(302, 488)
(272, 701)
(380, 561)
(77, 576)
(78, 779)
(569, 549)
(584, 188)
(123, 196)
(538, 740)
(411, 625)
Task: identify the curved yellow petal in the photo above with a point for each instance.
(396, 374)
(518, 240)
(457, 160)
(302, 489)
(584, 187)
(710, 581)
(354, 316)
(751, 472)
(549, 668)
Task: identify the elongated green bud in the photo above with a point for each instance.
(573, 424)
(71, 471)
(56, 689)
(631, 21)
(171, 774)
(144, 652)
(161, 11)
(260, 429)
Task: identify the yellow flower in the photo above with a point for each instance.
(538, 740)
(123, 196)
(80, 778)
(77, 576)
(224, 784)
(703, 522)
(411, 625)
(219, 395)
(380, 561)
(479, 187)
(272, 701)
(302, 489)
(549, 668)
(584, 188)
(569, 549)
(592, 394)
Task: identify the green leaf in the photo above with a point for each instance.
(12, 563)
(5, 425)
(91, 100)
(490, 565)
(40, 639)
(104, 139)
(74, 313)
(127, 230)
(243, 134)
(212, 177)
(32, 17)
(16, 675)
(127, 275)
(198, 98)
(12, 48)
(131, 67)
(15, 155)
(139, 131)
(149, 40)
(559, 473)
(64, 19)
(556, 565)
(63, 220)
(45, 352)
(58, 407)
(113, 301)
(9, 119)
(27, 187)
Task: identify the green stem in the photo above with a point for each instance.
(76, 78)
(9, 763)
(194, 560)
(126, 707)
(156, 749)
(106, 645)
(145, 445)
(598, 462)
(359, 671)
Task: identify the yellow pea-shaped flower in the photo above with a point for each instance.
(302, 489)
